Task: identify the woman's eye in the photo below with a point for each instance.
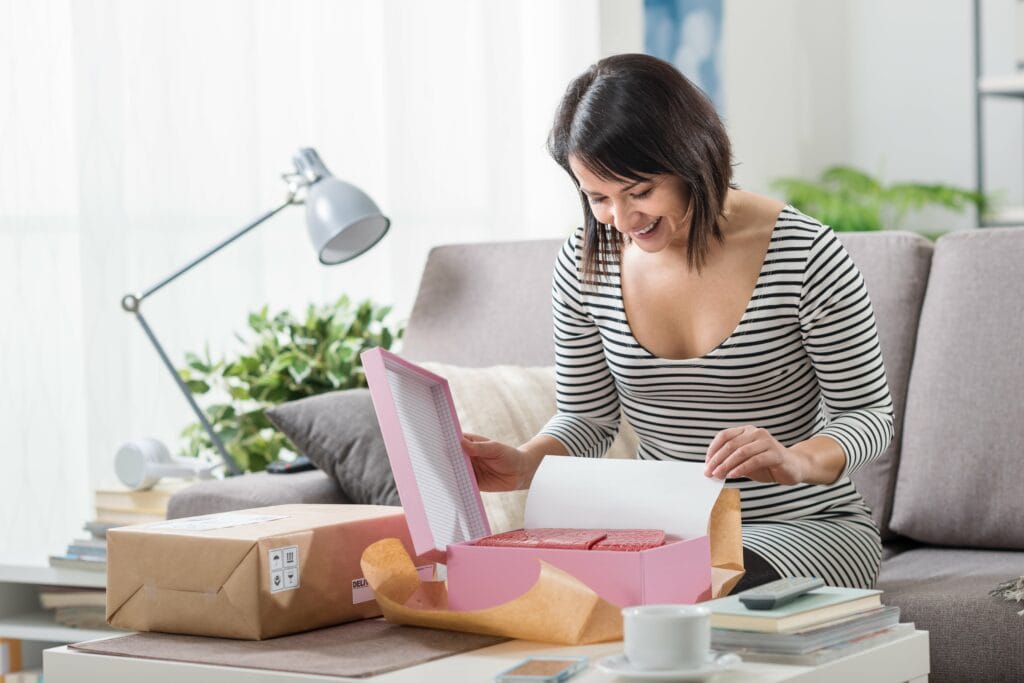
(645, 193)
(595, 200)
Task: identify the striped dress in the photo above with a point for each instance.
(803, 361)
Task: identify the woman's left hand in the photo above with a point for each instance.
(754, 453)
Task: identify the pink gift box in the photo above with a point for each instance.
(445, 514)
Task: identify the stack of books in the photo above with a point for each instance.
(114, 508)
(86, 553)
(822, 625)
(78, 607)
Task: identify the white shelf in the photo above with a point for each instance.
(1009, 216)
(1010, 86)
(56, 576)
(41, 626)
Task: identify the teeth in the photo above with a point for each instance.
(648, 228)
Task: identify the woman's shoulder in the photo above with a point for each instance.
(572, 247)
(800, 223)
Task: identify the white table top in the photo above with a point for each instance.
(905, 659)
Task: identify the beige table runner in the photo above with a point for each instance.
(357, 650)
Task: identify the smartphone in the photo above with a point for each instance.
(543, 670)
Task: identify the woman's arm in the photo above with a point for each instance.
(837, 326)
(754, 453)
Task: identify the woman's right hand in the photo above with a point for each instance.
(498, 466)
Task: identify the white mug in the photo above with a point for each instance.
(667, 636)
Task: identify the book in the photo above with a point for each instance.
(154, 499)
(79, 562)
(98, 530)
(827, 654)
(816, 607)
(90, 547)
(52, 597)
(126, 517)
(81, 617)
(809, 639)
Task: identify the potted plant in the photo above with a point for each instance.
(283, 358)
(848, 199)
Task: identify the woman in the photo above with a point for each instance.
(729, 328)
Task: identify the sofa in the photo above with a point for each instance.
(947, 495)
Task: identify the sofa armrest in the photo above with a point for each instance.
(253, 491)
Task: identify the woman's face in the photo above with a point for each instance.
(653, 212)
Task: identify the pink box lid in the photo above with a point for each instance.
(423, 439)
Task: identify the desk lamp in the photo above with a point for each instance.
(342, 222)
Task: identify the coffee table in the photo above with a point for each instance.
(905, 659)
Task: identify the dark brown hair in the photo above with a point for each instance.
(632, 116)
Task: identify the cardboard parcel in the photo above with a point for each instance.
(250, 574)
(493, 589)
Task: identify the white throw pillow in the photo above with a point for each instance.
(511, 404)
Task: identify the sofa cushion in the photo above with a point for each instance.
(254, 491)
(338, 431)
(945, 591)
(959, 476)
(895, 269)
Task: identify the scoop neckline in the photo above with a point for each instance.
(746, 311)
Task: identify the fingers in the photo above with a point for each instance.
(721, 438)
(728, 467)
(762, 462)
(725, 443)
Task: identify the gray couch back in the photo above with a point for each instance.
(961, 477)
(489, 304)
(485, 304)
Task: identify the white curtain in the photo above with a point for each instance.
(134, 135)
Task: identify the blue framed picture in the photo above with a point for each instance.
(688, 34)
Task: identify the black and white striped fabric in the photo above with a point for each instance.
(803, 361)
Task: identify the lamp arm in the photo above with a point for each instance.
(229, 462)
(131, 304)
(199, 259)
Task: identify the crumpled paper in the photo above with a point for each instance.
(557, 609)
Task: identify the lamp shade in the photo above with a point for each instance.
(342, 220)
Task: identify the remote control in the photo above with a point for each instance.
(299, 464)
(778, 593)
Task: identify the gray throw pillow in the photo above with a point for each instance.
(338, 431)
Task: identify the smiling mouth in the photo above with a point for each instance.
(647, 230)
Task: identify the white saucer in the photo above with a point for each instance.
(618, 664)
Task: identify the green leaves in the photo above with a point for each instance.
(283, 357)
(849, 199)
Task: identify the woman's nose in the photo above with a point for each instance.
(619, 215)
(624, 219)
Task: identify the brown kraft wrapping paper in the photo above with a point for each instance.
(557, 609)
(725, 534)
